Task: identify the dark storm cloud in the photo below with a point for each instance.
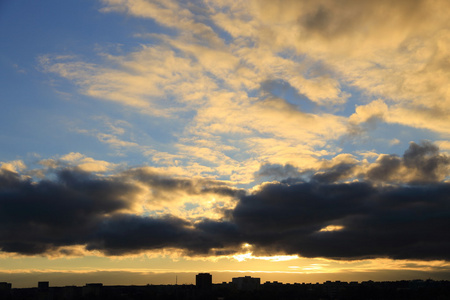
(420, 163)
(130, 234)
(277, 171)
(223, 236)
(124, 234)
(396, 222)
(386, 167)
(335, 173)
(402, 220)
(161, 184)
(78, 208)
(408, 218)
(290, 174)
(426, 159)
(36, 217)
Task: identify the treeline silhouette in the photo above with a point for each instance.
(368, 290)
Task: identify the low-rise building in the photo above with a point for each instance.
(246, 283)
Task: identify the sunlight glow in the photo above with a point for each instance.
(331, 228)
(275, 258)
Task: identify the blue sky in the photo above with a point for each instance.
(179, 115)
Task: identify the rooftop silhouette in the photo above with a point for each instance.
(246, 287)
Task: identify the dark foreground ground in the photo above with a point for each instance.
(416, 289)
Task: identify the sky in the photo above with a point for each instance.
(291, 140)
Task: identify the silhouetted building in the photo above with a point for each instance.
(92, 290)
(246, 283)
(44, 291)
(43, 285)
(247, 288)
(5, 286)
(71, 293)
(5, 290)
(203, 280)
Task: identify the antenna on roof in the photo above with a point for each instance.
(176, 280)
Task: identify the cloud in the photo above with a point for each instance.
(13, 166)
(420, 163)
(330, 21)
(336, 173)
(79, 161)
(311, 214)
(141, 79)
(385, 167)
(198, 70)
(388, 219)
(102, 213)
(114, 141)
(87, 164)
(444, 145)
(133, 234)
(360, 28)
(170, 13)
(125, 234)
(218, 72)
(372, 111)
(164, 187)
(210, 73)
(395, 51)
(394, 142)
(277, 171)
(398, 222)
(37, 217)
